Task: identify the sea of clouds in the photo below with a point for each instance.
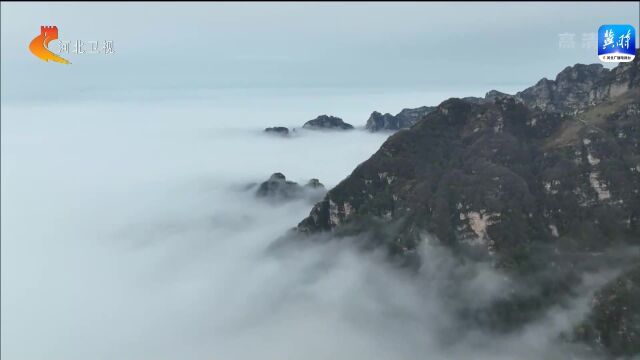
(127, 234)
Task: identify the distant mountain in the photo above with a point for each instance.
(327, 123)
(404, 119)
(574, 89)
(278, 189)
(277, 130)
(543, 183)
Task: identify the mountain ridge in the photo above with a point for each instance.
(539, 182)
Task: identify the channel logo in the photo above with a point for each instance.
(39, 46)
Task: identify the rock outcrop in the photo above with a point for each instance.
(579, 87)
(314, 184)
(277, 130)
(279, 188)
(568, 93)
(325, 122)
(489, 98)
(408, 117)
(404, 119)
(378, 121)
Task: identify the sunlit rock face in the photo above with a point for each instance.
(538, 183)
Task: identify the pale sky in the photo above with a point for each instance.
(185, 46)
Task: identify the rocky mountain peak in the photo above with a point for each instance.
(278, 188)
(581, 73)
(327, 122)
(493, 95)
(536, 183)
(580, 86)
(404, 119)
(277, 130)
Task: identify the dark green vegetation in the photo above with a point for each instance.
(614, 322)
(545, 184)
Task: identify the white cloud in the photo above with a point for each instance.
(124, 236)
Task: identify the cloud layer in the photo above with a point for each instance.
(126, 235)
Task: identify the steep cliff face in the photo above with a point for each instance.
(568, 92)
(500, 174)
(497, 177)
(378, 121)
(578, 87)
(538, 183)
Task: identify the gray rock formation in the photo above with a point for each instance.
(579, 87)
(325, 122)
(489, 98)
(408, 117)
(314, 184)
(277, 130)
(404, 119)
(278, 188)
(568, 93)
(378, 121)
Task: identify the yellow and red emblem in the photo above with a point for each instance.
(39, 46)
